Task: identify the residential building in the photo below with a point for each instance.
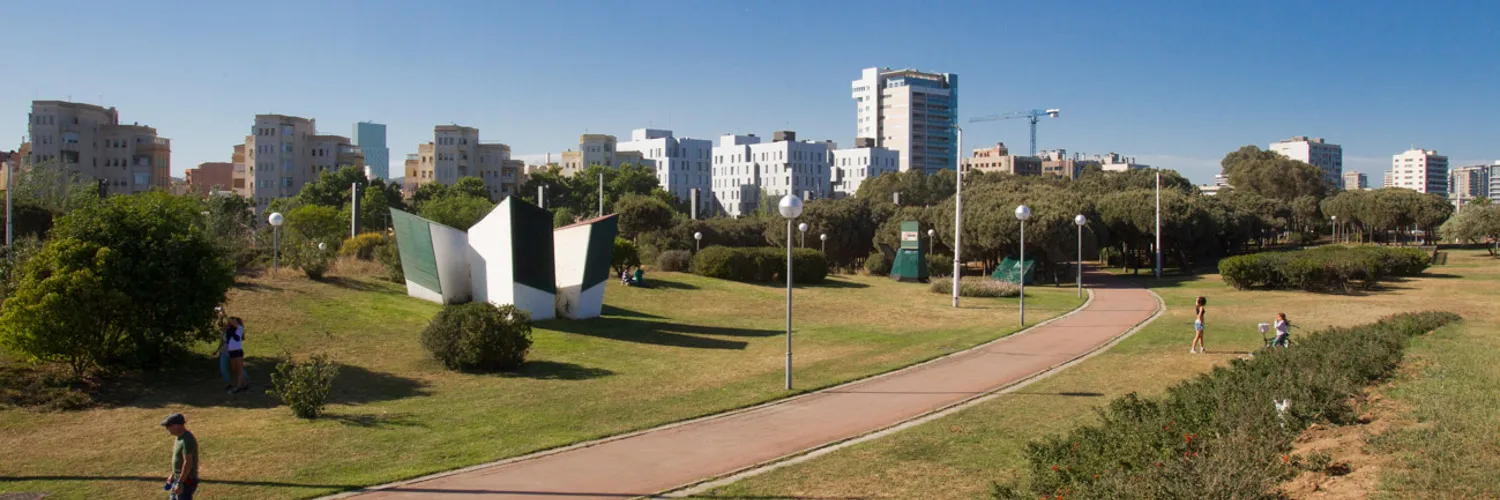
(1057, 162)
(997, 159)
(10, 161)
(1421, 170)
(910, 112)
(237, 182)
(1387, 180)
(1355, 181)
(1467, 183)
(682, 164)
(370, 137)
(598, 149)
(278, 159)
(1494, 181)
(1316, 152)
(852, 166)
(90, 141)
(456, 152)
(744, 168)
(210, 177)
(1114, 162)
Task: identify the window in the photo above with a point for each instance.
(286, 130)
(142, 178)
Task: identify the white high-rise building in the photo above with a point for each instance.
(1316, 152)
(853, 166)
(1495, 180)
(1467, 183)
(1421, 170)
(682, 164)
(910, 112)
(745, 168)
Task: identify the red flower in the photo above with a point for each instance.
(1054, 467)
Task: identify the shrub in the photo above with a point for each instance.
(389, 255)
(976, 287)
(877, 264)
(479, 336)
(304, 385)
(458, 211)
(624, 256)
(364, 246)
(1323, 269)
(939, 265)
(1220, 435)
(760, 265)
(305, 255)
(674, 260)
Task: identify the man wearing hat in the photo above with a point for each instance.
(184, 479)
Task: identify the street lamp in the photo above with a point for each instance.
(1023, 212)
(802, 232)
(824, 238)
(275, 219)
(697, 242)
(1080, 220)
(1334, 229)
(958, 209)
(791, 208)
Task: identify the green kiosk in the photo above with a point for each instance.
(911, 259)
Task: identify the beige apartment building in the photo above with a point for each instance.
(599, 149)
(1057, 162)
(997, 159)
(89, 141)
(210, 177)
(456, 152)
(284, 153)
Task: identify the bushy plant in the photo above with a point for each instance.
(624, 256)
(364, 246)
(304, 385)
(939, 265)
(760, 265)
(877, 264)
(976, 287)
(389, 255)
(1224, 434)
(479, 336)
(1323, 269)
(674, 261)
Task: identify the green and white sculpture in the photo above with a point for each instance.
(511, 258)
(434, 259)
(582, 253)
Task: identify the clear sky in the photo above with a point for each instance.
(1175, 84)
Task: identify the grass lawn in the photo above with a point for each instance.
(691, 346)
(958, 456)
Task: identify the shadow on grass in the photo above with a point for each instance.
(554, 370)
(252, 286)
(372, 420)
(656, 332)
(197, 382)
(1067, 394)
(830, 283)
(656, 283)
(356, 285)
(610, 310)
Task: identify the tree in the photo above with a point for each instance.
(428, 192)
(642, 214)
(1475, 224)
(470, 186)
(1269, 174)
(315, 223)
(45, 192)
(374, 209)
(332, 187)
(230, 224)
(129, 280)
(624, 256)
(562, 217)
(458, 211)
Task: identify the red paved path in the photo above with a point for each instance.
(676, 456)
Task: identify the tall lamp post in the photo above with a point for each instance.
(275, 219)
(823, 238)
(1334, 229)
(802, 234)
(1080, 220)
(697, 242)
(958, 211)
(1023, 212)
(791, 208)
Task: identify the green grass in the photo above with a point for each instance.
(958, 456)
(689, 347)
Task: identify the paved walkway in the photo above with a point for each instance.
(678, 455)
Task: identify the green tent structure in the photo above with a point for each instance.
(910, 264)
(1010, 270)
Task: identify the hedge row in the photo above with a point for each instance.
(1220, 435)
(1323, 269)
(976, 287)
(760, 264)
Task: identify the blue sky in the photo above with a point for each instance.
(1176, 84)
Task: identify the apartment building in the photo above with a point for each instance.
(1355, 181)
(910, 112)
(598, 149)
(90, 141)
(1387, 180)
(1114, 162)
(1467, 183)
(10, 161)
(1057, 162)
(370, 137)
(1421, 170)
(456, 152)
(682, 164)
(744, 168)
(997, 159)
(1315, 151)
(853, 166)
(1495, 180)
(210, 177)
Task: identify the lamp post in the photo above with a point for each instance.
(1080, 220)
(791, 208)
(958, 211)
(802, 234)
(275, 219)
(823, 238)
(697, 242)
(1334, 229)
(1023, 212)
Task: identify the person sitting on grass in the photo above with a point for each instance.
(640, 278)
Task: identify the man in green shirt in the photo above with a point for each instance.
(184, 479)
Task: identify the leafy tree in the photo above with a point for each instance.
(458, 211)
(470, 186)
(1272, 175)
(641, 214)
(230, 224)
(624, 256)
(128, 280)
(315, 223)
(556, 187)
(332, 187)
(427, 192)
(1475, 224)
(45, 192)
(562, 217)
(374, 209)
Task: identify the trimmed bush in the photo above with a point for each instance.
(1220, 435)
(976, 287)
(479, 336)
(674, 261)
(1323, 269)
(760, 265)
(939, 265)
(304, 385)
(877, 264)
(363, 247)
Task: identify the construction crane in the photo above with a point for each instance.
(1033, 115)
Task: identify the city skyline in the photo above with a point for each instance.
(1174, 85)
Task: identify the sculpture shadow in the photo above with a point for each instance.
(556, 370)
(657, 332)
(196, 382)
(610, 310)
(356, 285)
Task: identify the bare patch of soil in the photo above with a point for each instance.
(1352, 472)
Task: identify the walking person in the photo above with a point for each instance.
(1198, 310)
(1283, 331)
(184, 479)
(234, 342)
